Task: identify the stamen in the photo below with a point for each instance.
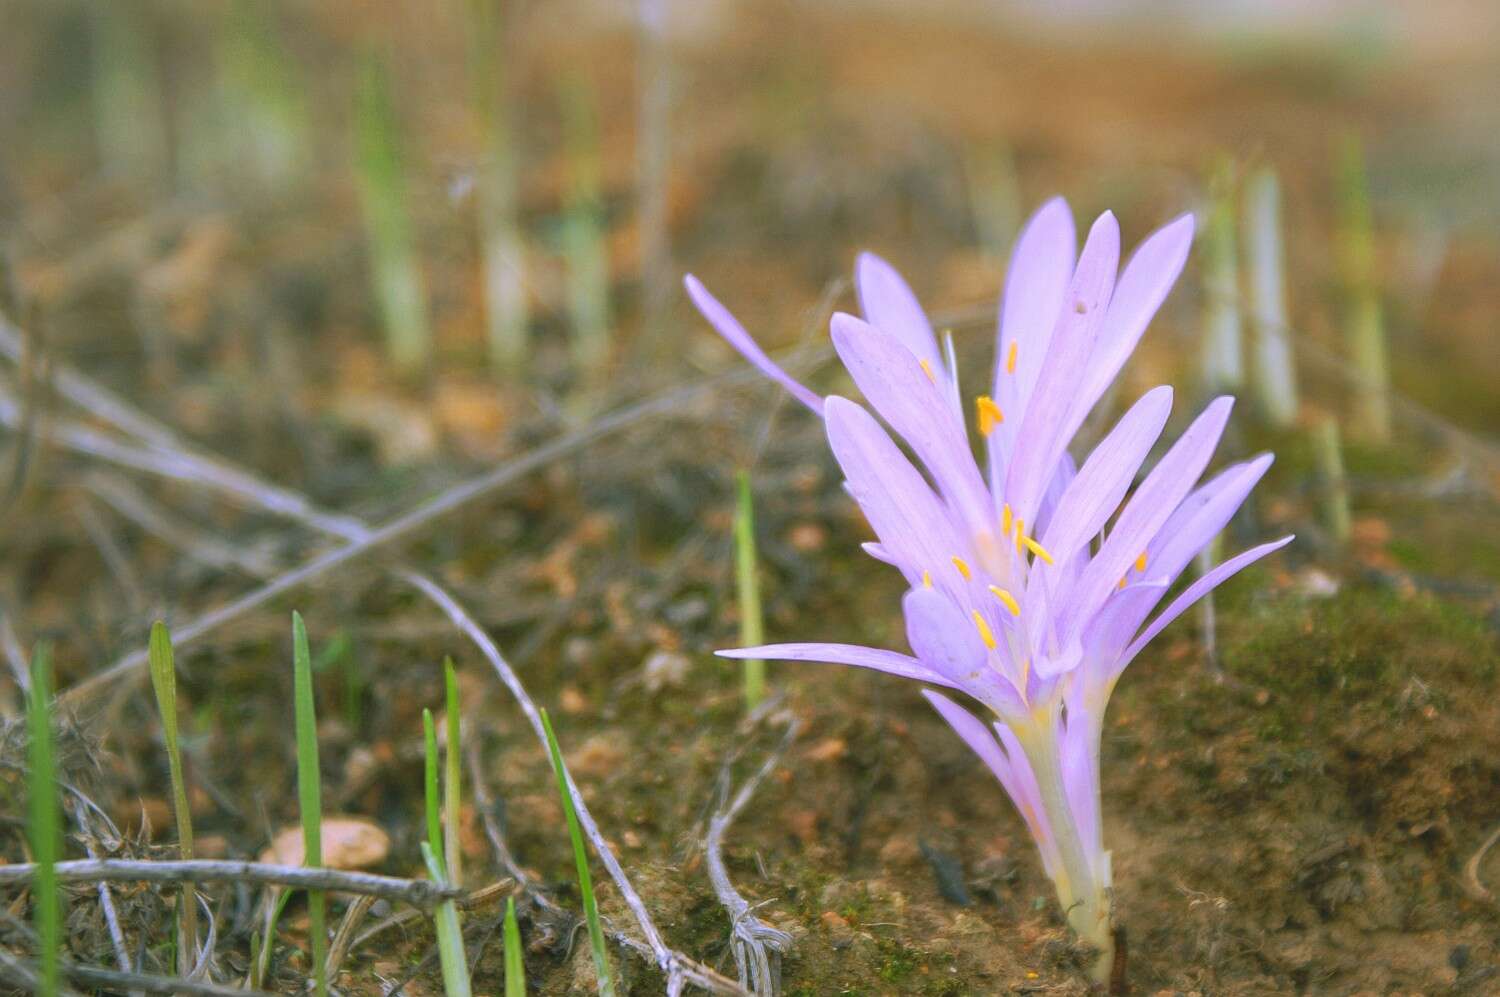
(1038, 550)
(927, 579)
(1008, 599)
(1140, 562)
(1122, 583)
(984, 631)
(990, 415)
(1020, 533)
(1010, 358)
(963, 567)
(927, 369)
(1005, 519)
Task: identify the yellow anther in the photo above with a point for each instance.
(927, 579)
(1020, 534)
(1005, 519)
(990, 415)
(963, 567)
(1009, 600)
(927, 369)
(1140, 562)
(1037, 549)
(1122, 583)
(984, 630)
(1010, 358)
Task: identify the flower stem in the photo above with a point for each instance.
(1083, 892)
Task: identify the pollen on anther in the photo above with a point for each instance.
(1020, 534)
(927, 579)
(1005, 519)
(1007, 598)
(1010, 358)
(984, 631)
(1140, 562)
(1038, 550)
(989, 414)
(927, 369)
(963, 567)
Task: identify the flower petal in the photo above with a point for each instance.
(1202, 515)
(729, 327)
(888, 302)
(1047, 424)
(918, 409)
(1041, 265)
(1010, 767)
(1196, 591)
(911, 521)
(877, 659)
(1142, 287)
(1105, 477)
(1166, 486)
(941, 637)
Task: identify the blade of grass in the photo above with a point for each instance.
(309, 792)
(430, 791)
(164, 683)
(581, 860)
(450, 936)
(515, 967)
(1223, 354)
(397, 276)
(583, 243)
(452, 776)
(44, 819)
(445, 919)
(1275, 374)
(752, 624)
(1364, 321)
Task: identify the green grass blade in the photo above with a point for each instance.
(752, 622)
(430, 793)
(395, 269)
(452, 778)
(309, 791)
(450, 936)
(164, 683)
(43, 823)
(581, 859)
(515, 967)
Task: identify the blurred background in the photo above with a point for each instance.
(362, 251)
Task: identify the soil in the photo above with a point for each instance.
(1295, 812)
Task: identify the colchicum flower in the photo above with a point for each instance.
(1029, 586)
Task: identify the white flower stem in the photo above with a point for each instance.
(1083, 891)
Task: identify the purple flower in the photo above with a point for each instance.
(1030, 585)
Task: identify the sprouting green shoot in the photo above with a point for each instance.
(1364, 322)
(581, 860)
(1275, 376)
(583, 242)
(382, 183)
(501, 239)
(309, 791)
(164, 682)
(446, 922)
(452, 785)
(430, 791)
(450, 936)
(1223, 353)
(515, 967)
(1335, 485)
(44, 820)
(752, 624)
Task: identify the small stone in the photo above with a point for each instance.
(348, 843)
(828, 750)
(664, 669)
(808, 537)
(572, 701)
